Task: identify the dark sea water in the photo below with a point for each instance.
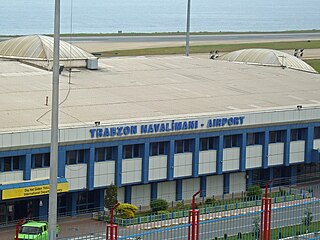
(106, 16)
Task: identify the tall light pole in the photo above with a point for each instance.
(188, 29)
(52, 215)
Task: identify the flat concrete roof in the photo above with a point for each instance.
(127, 88)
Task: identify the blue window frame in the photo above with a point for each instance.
(297, 134)
(317, 133)
(209, 143)
(230, 141)
(77, 156)
(158, 148)
(182, 146)
(40, 160)
(132, 151)
(276, 136)
(105, 154)
(13, 163)
(254, 138)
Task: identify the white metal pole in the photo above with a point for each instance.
(188, 29)
(52, 215)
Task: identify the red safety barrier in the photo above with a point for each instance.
(112, 229)
(265, 232)
(194, 218)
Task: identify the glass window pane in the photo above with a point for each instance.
(71, 157)
(127, 151)
(187, 145)
(16, 163)
(203, 144)
(273, 137)
(7, 164)
(250, 140)
(154, 149)
(179, 146)
(38, 160)
(46, 160)
(100, 154)
(235, 141)
(136, 151)
(81, 156)
(211, 143)
(227, 142)
(109, 155)
(161, 148)
(317, 132)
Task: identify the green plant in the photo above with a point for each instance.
(163, 212)
(256, 227)
(210, 201)
(159, 205)
(126, 210)
(254, 191)
(111, 196)
(180, 205)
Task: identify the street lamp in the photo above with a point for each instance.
(188, 29)
(52, 215)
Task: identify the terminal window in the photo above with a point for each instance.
(13, 163)
(317, 132)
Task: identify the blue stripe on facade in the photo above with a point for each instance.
(154, 191)
(226, 183)
(170, 161)
(203, 186)
(178, 189)
(127, 194)
(27, 167)
(265, 149)
(219, 155)
(90, 171)
(62, 162)
(287, 139)
(195, 157)
(243, 150)
(145, 163)
(309, 144)
(118, 170)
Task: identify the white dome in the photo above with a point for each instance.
(267, 57)
(39, 47)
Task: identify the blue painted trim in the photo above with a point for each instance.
(309, 145)
(220, 155)
(287, 140)
(178, 189)
(74, 203)
(293, 173)
(118, 170)
(226, 183)
(154, 191)
(90, 172)
(128, 194)
(265, 149)
(27, 167)
(100, 192)
(145, 162)
(170, 167)
(243, 152)
(203, 186)
(62, 162)
(43, 210)
(195, 157)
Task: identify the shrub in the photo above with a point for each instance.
(210, 201)
(163, 212)
(159, 205)
(126, 210)
(254, 191)
(110, 198)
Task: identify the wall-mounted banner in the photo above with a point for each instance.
(165, 127)
(32, 191)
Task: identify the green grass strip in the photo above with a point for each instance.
(208, 48)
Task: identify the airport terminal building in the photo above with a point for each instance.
(157, 127)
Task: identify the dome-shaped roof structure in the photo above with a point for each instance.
(38, 50)
(267, 57)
